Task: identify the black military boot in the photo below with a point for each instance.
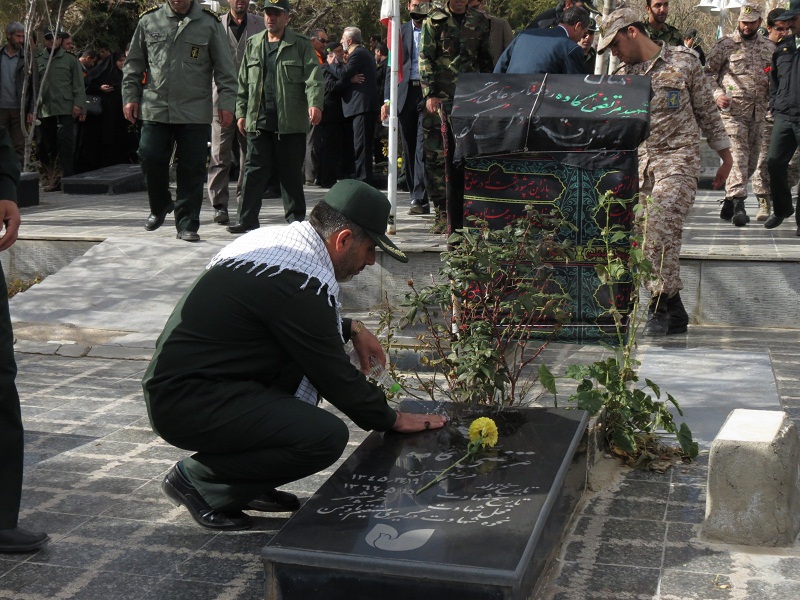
(678, 317)
(726, 212)
(740, 218)
(658, 319)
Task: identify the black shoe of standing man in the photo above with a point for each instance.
(154, 221)
(241, 228)
(21, 540)
(177, 488)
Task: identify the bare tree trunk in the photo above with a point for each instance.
(31, 71)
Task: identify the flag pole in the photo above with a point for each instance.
(395, 50)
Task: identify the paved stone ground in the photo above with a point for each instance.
(93, 466)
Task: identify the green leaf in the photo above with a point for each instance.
(624, 439)
(547, 379)
(689, 447)
(654, 387)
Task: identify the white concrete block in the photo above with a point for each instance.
(753, 495)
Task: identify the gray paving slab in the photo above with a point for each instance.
(711, 384)
(94, 465)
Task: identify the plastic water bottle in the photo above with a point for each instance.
(376, 371)
(381, 376)
(730, 89)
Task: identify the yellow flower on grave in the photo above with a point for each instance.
(482, 433)
(483, 429)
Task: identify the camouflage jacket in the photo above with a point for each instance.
(447, 49)
(682, 100)
(740, 69)
(668, 34)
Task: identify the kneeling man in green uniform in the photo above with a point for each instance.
(243, 394)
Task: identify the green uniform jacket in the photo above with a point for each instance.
(9, 167)
(179, 56)
(276, 330)
(668, 34)
(298, 82)
(447, 49)
(63, 89)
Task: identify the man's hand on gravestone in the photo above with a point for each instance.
(412, 422)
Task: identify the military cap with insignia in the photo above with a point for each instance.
(749, 12)
(366, 207)
(279, 4)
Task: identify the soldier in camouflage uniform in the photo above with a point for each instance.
(181, 47)
(669, 160)
(776, 30)
(454, 40)
(656, 26)
(738, 66)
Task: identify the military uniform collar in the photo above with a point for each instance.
(660, 56)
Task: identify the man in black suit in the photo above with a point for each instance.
(409, 113)
(359, 100)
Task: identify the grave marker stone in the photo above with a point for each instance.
(486, 531)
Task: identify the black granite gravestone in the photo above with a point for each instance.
(486, 531)
(119, 179)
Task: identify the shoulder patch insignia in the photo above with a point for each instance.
(147, 11)
(212, 13)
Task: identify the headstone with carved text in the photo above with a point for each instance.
(486, 531)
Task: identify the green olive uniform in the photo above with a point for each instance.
(62, 90)
(177, 56)
(278, 82)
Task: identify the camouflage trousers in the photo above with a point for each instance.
(745, 135)
(434, 159)
(761, 185)
(668, 182)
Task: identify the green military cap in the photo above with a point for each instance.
(278, 4)
(366, 207)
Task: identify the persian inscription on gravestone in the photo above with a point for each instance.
(369, 506)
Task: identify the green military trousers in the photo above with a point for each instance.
(259, 439)
(11, 435)
(268, 153)
(155, 150)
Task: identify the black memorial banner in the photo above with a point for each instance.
(503, 114)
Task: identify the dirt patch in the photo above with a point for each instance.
(38, 332)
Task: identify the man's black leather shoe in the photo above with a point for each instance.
(241, 228)
(180, 491)
(154, 221)
(274, 501)
(774, 220)
(188, 236)
(21, 540)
